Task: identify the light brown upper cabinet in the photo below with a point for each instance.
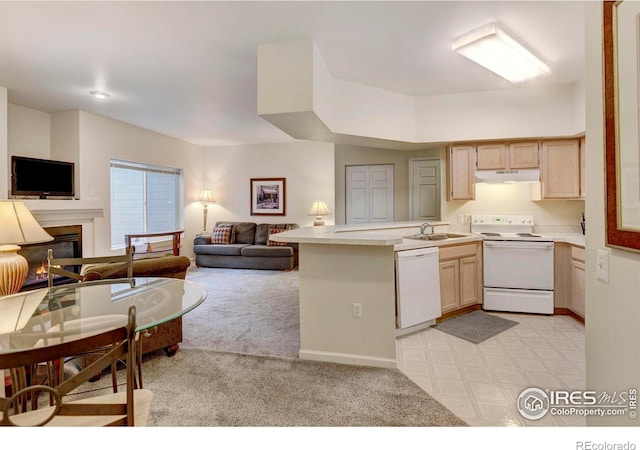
(524, 155)
(461, 163)
(491, 156)
(560, 172)
(507, 156)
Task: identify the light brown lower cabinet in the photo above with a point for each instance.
(577, 297)
(460, 276)
(569, 276)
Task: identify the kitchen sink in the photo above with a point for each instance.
(435, 236)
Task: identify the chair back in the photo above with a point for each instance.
(114, 344)
(59, 266)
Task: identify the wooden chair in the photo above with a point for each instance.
(58, 266)
(131, 407)
(114, 263)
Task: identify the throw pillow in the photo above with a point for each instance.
(223, 234)
(277, 228)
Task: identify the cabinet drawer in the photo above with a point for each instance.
(577, 253)
(457, 251)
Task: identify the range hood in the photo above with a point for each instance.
(508, 176)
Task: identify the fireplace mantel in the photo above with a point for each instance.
(46, 211)
(88, 213)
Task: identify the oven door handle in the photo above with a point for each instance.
(514, 244)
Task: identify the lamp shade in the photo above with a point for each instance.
(18, 226)
(319, 209)
(206, 196)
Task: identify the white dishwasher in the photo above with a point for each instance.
(417, 289)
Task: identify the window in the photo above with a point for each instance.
(144, 199)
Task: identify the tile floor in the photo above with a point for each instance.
(481, 383)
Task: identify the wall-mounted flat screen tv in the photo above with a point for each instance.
(41, 177)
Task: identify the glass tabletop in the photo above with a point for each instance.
(46, 317)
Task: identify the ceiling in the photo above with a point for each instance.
(188, 69)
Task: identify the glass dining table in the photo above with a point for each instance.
(45, 317)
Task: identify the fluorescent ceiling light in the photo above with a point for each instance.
(99, 94)
(500, 53)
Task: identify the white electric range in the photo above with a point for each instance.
(517, 264)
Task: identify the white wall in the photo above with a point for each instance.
(307, 166)
(350, 110)
(503, 114)
(613, 309)
(29, 132)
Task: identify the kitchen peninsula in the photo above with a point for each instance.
(347, 289)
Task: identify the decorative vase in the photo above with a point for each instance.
(13, 269)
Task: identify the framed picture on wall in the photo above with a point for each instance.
(268, 196)
(622, 118)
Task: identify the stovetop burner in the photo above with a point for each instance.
(506, 228)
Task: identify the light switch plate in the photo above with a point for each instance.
(602, 265)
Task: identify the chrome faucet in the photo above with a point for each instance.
(424, 226)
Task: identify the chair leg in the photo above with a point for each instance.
(139, 362)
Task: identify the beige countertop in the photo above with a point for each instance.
(391, 234)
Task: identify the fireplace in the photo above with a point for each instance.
(67, 243)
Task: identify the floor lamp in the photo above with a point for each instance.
(17, 227)
(206, 197)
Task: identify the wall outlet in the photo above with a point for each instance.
(357, 310)
(602, 265)
(467, 218)
(460, 218)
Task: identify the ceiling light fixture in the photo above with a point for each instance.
(99, 94)
(494, 49)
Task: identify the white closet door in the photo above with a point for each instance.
(369, 194)
(425, 189)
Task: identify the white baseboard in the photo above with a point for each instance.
(346, 358)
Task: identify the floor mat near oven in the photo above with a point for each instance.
(476, 326)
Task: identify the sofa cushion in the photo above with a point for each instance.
(223, 234)
(277, 228)
(267, 251)
(228, 250)
(245, 231)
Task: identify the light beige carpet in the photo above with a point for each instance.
(238, 366)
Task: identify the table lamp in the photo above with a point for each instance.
(319, 209)
(206, 197)
(17, 227)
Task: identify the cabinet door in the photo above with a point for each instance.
(460, 172)
(577, 304)
(560, 173)
(524, 155)
(491, 157)
(449, 285)
(468, 281)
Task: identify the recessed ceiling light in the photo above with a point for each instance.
(99, 94)
(494, 49)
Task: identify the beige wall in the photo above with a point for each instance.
(490, 198)
(347, 155)
(4, 153)
(307, 166)
(515, 199)
(102, 139)
(613, 309)
(29, 132)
